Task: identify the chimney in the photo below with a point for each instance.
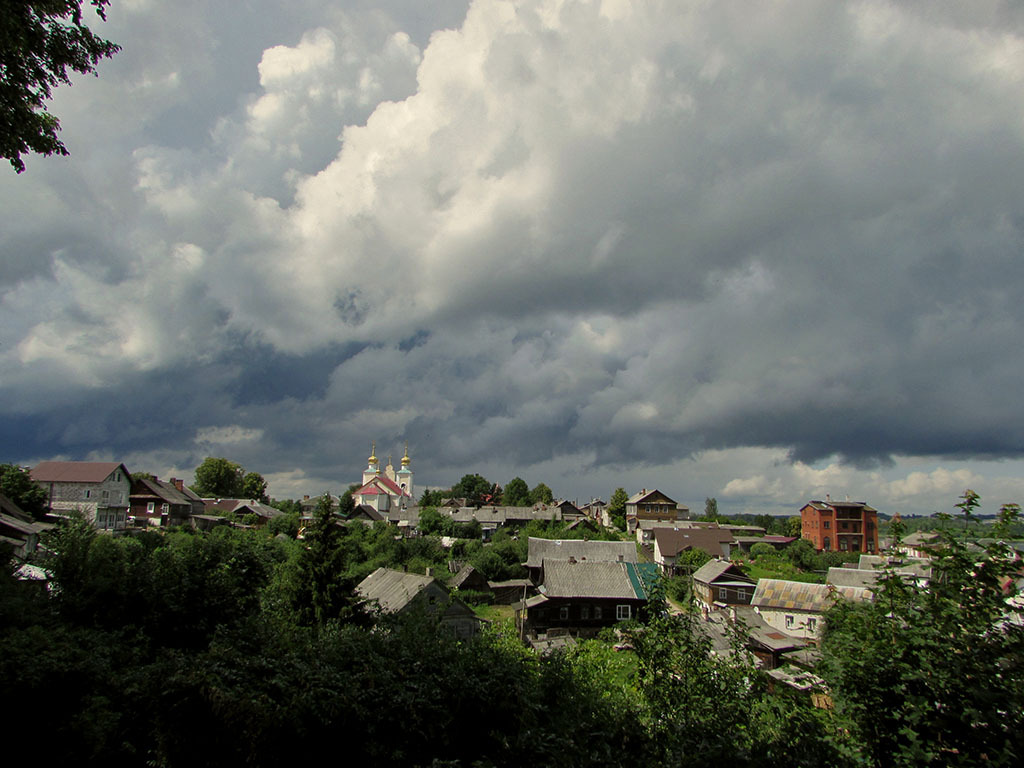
(179, 484)
(828, 497)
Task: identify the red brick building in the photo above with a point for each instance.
(842, 526)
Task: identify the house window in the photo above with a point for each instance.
(812, 625)
(88, 494)
(597, 611)
(789, 622)
(165, 508)
(622, 612)
(827, 524)
(842, 544)
(563, 613)
(826, 544)
(723, 594)
(150, 506)
(106, 495)
(585, 612)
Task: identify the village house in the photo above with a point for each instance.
(582, 597)
(582, 586)
(155, 502)
(241, 508)
(18, 529)
(654, 505)
(796, 607)
(719, 581)
(400, 593)
(98, 489)
(577, 550)
(670, 542)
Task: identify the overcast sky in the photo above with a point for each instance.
(758, 251)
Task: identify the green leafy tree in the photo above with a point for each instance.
(331, 595)
(472, 487)
(254, 487)
(691, 559)
(347, 504)
(432, 522)
(18, 486)
(617, 508)
(288, 506)
(759, 549)
(541, 494)
(930, 675)
(711, 509)
(517, 493)
(433, 498)
(794, 526)
(219, 478)
(41, 43)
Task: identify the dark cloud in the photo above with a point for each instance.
(611, 239)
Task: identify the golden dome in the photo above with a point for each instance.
(373, 453)
(406, 459)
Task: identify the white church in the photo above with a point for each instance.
(385, 489)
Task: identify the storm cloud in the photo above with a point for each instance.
(605, 243)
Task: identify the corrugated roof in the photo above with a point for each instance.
(583, 551)
(393, 590)
(591, 579)
(75, 471)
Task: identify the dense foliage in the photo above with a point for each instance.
(238, 647)
(934, 674)
(218, 478)
(19, 487)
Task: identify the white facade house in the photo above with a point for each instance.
(98, 489)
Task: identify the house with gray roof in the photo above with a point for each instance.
(577, 550)
(719, 581)
(797, 607)
(581, 597)
(399, 593)
(155, 502)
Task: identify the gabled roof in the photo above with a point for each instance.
(852, 577)
(563, 578)
(243, 507)
(8, 507)
(365, 510)
(579, 550)
(714, 569)
(645, 494)
(672, 541)
(393, 590)
(169, 492)
(75, 471)
(800, 596)
(378, 483)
